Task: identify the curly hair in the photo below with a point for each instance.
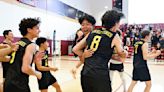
(27, 23)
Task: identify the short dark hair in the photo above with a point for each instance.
(89, 18)
(6, 32)
(27, 23)
(40, 40)
(145, 33)
(110, 18)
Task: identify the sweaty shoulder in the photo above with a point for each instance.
(31, 47)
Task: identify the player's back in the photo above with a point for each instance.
(138, 60)
(99, 41)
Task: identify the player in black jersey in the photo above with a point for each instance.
(141, 55)
(20, 68)
(43, 66)
(95, 73)
(8, 35)
(5, 50)
(87, 23)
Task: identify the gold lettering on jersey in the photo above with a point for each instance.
(136, 46)
(97, 31)
(45, 57)
(22, 43)
(46, 62)
(109, 34)
(138, 43)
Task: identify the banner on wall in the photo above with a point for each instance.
(117, 5)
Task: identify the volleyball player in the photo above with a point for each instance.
(43, 66)
(20, 69)
(140, 67)
(95, 73)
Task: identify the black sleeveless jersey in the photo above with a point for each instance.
(138, 60)
(44, 61)
(99, 41)
(6, 65)
(15, 76)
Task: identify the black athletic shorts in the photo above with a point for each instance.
(116, 67)
(16, 86)
(5, 66)
(95, 84)
(46, 80)
(141, 74)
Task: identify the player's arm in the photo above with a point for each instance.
(43, 68)
(118, 45)
(78, 48)
(86, 53)
(5, 59)
(8, 49)
(79, 34)
(146, 54)
(27, 59)
(3, 46)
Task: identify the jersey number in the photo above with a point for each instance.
(95, 43)
(13, 56)
(136, 48)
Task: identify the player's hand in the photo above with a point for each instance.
(153, 50)
(158, 52)
(73, 71)
(14, 46)
(124, 54)
(38, 74)
(88, 53)
(54, 69)
(3, 46)
(38, 56)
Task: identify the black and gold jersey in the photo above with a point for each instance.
(99, 41)
(138, 60)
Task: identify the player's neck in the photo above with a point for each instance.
(29, 37)
(113, 29)
(7, 40)
(145, 40)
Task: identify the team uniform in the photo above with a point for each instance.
(47, 78)
(95, 74)
(140, 71)
(5, 65)
(116, 65)
(16, 80)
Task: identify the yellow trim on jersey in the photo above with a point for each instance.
(109, 34)
(22, 43)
